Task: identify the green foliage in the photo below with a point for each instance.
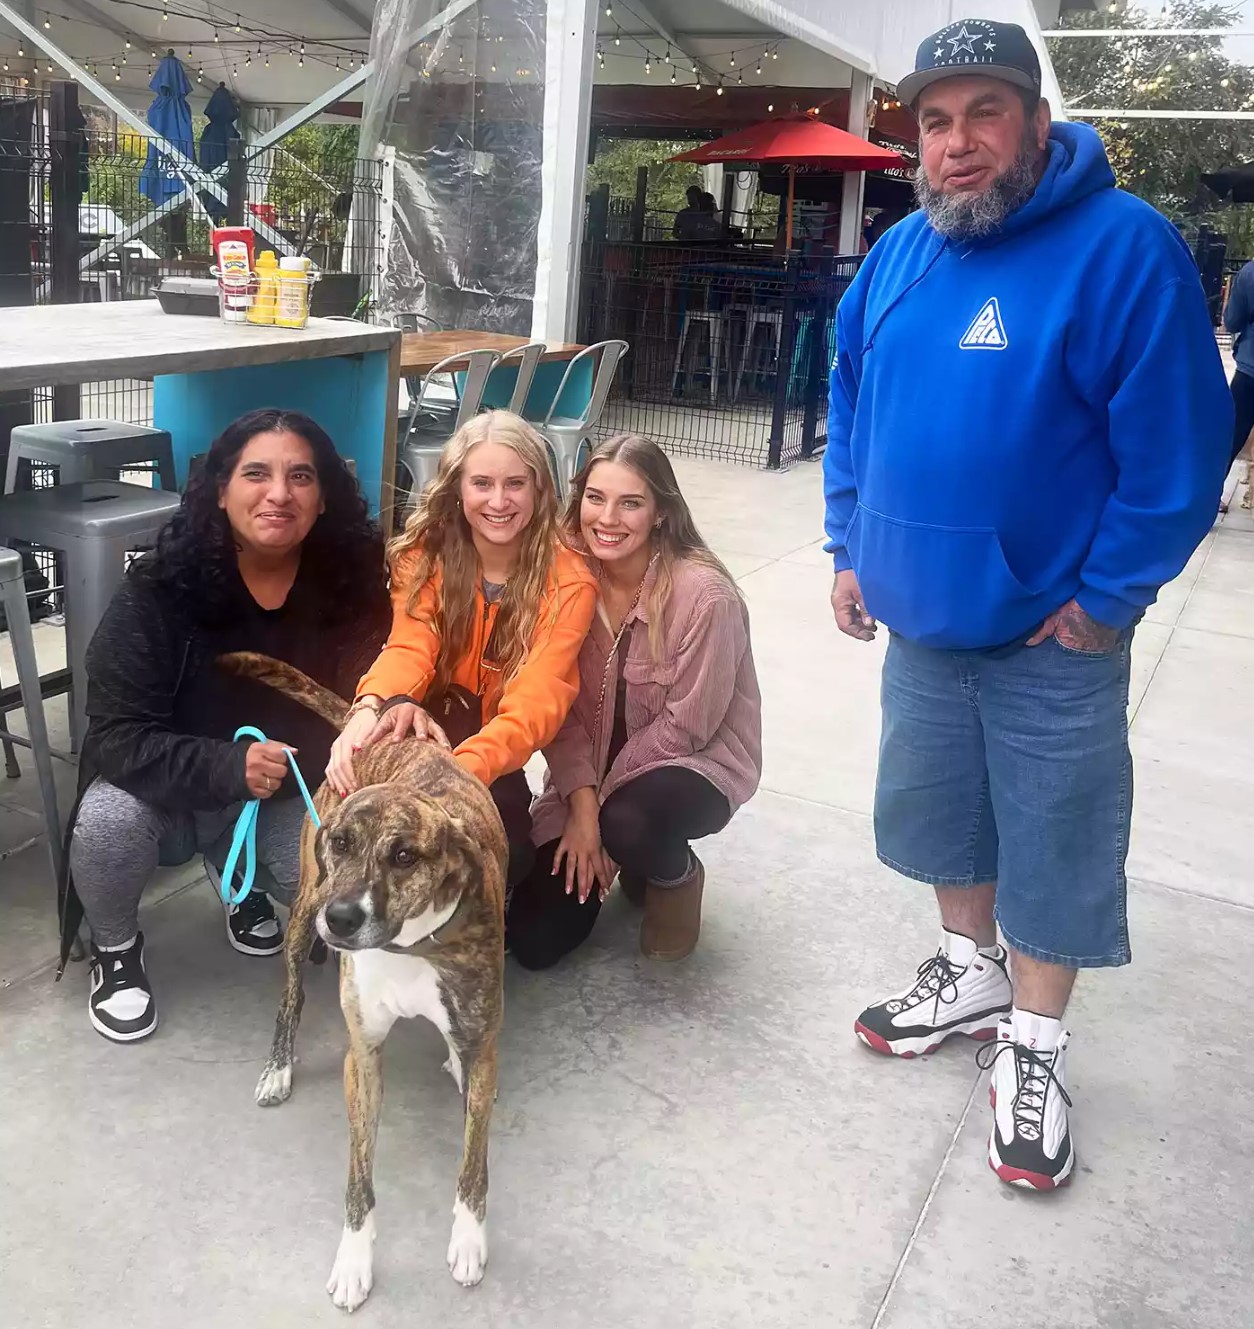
(618, 160)
(1162, 161)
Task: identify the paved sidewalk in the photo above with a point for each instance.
(704, 1146)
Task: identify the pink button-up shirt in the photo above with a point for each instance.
(697, 706)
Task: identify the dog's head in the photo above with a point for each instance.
(393, 864)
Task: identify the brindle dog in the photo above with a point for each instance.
(406, 881)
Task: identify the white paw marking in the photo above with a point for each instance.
(467, 1247)
(275, 1086)
(454, 1067)
(352, 1275)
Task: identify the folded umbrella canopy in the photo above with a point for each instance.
(795, 140)
(1235, 182)
(171, 117)
(215, 141)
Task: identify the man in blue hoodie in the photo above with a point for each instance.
(1028, 437)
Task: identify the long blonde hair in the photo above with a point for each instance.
(676, 538)
(437, 537)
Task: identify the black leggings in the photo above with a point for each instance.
(1243, 403)
(512, 796)
(645, 827)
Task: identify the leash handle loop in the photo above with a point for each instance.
(244, 839)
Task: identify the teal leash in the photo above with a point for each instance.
(244, 840)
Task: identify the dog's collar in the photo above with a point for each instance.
(438, 937)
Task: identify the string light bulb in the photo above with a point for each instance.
(666, 59)
(618, 37)
(648, 68)
(267, 62)
(733, 59)
(47, 22)
(609, 11)
(248, 59)
(165, 12)
(128, 43)
(719, 90)
(601, 57)
(759, 69)
(775, 54)
(673, 76)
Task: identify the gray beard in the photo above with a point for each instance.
(974, 216)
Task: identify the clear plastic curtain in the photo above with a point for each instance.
(463, 108)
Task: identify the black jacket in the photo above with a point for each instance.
(161, 716)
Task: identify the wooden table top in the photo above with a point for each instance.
(422, 351)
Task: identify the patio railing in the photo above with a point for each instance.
(731, 347)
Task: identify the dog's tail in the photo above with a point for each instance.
(288, 680)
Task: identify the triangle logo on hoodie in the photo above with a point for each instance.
(986, 332)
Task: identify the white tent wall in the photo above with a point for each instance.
(881, 38)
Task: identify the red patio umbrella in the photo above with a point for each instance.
(796, 140)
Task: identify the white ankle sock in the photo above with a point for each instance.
(125, 946)
(1041, 1032)
(994, 952)
(960, 949)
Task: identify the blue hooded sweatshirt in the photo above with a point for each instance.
(1021, 420)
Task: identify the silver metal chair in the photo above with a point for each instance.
(91, 450)
(528, 358)
(567, 434)
(96, 524)
(421, 447)
(17, 617)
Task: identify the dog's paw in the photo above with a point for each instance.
(352, 1275)
(467, 1247)
(275, 1086)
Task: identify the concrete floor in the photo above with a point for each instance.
(704, 1145)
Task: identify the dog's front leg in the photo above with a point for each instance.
(352, 1276)
(468, 1245)
(275, 1085)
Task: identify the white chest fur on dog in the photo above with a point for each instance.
(392, 987)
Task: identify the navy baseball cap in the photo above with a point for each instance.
(974, 46)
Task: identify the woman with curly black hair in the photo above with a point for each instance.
(272, 550)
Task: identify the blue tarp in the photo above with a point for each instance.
(171, 117)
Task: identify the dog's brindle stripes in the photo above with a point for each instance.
(415, 794)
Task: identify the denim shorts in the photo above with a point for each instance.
(1014, 768)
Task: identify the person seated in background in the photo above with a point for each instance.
(272, 550)
(688, 219)
(664, 742)
(490, 610)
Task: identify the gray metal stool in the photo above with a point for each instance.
(17, 616)
(90, 450)
(95, 524)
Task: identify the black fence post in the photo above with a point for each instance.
(65, 126)
(729, 197)
(816, 377)
(783, 363)
(236, 182)
(635, 285)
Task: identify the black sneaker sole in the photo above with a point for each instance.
(919, 1043)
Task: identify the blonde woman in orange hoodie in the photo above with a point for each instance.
(490, 610)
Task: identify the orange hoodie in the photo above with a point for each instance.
(523, 717)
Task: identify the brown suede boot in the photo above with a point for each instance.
(672, 917)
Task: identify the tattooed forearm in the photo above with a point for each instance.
(1076, 629)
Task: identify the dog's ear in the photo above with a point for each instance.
(465, 854)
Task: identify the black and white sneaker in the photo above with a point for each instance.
(120, 1005)
(251, 926)
(960, 990)
(1030, 1143)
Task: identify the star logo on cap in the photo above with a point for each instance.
(990, 46)
(964, 41)
(938, 54)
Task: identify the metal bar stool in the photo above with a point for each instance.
(17, 617)
(95, 524)
(91, 450)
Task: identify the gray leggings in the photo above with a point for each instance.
(120, 841)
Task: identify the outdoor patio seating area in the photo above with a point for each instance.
(704, 1144)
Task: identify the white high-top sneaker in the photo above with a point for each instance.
(1030, 1143)
(960, 990)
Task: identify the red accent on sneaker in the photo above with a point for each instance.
(1036, 1180)
(878, 1044)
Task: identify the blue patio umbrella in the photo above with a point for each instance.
(171, 117)
(215, 142)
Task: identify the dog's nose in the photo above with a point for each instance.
(344, 917)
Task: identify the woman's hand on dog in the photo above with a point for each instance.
(265, 766)
(581, 851)
(407, 717)
(366, 728)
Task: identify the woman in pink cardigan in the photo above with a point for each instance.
(664, 742)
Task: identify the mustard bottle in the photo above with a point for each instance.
(266, 300)
(293, 306)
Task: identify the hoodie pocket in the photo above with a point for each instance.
(938, 585)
